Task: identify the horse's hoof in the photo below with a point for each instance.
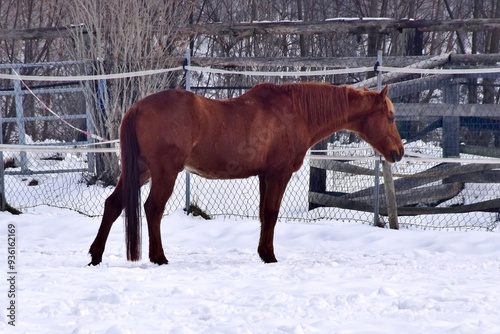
(266, 254)
(96, 260)
(268, 258)
(160, 261)
(273, 260)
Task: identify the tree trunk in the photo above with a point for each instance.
(373, 37)
(135, 41)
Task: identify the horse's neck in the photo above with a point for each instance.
(329, 116)
(360, 105)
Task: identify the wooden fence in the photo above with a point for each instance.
(416, 194)
(421, 193)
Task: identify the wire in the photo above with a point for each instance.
(412, 70)
(87, 77)
(279, 74)
(53, 148)
(250, 73)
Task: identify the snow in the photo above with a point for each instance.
(360, 19)
(333, 277)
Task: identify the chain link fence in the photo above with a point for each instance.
(437, 116)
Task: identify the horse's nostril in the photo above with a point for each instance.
(395, 156)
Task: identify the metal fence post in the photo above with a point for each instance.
(21, 132)
(2, 174)
(90, 156)
(188, 88)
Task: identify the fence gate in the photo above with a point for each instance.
(35, 111)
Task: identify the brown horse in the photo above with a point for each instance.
(265, 132)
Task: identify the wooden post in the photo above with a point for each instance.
(390, 196)
(451, 139)
(390, 193)
(451, 124)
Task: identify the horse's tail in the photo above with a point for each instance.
(131, 184)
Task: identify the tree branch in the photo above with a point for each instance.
(240, 30)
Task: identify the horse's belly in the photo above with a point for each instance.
(200, 172)
(230, 169)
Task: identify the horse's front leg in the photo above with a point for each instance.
(272, 187)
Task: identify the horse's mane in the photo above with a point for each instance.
(319, 102)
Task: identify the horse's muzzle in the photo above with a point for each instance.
(397, 156)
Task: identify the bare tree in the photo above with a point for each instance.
(125, 36)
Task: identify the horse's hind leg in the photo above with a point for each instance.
(113, 206)
(162, 186)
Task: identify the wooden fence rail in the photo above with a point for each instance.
(416, 194)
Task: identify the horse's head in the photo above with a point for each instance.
(374, 123)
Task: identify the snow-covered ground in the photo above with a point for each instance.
(333, 277)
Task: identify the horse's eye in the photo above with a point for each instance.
(390, 119)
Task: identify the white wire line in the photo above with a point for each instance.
(338, 149)
(249, 73)
(412, 70)
(114, 141)
(280, 74)
(491, 161)
(190, 68)
(410, 156)
(88, 77)
(54, 148)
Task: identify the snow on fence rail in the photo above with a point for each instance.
(349, 172)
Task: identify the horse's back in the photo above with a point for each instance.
(246, 135)
(231, 138)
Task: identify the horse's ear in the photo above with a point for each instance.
(384, 91)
